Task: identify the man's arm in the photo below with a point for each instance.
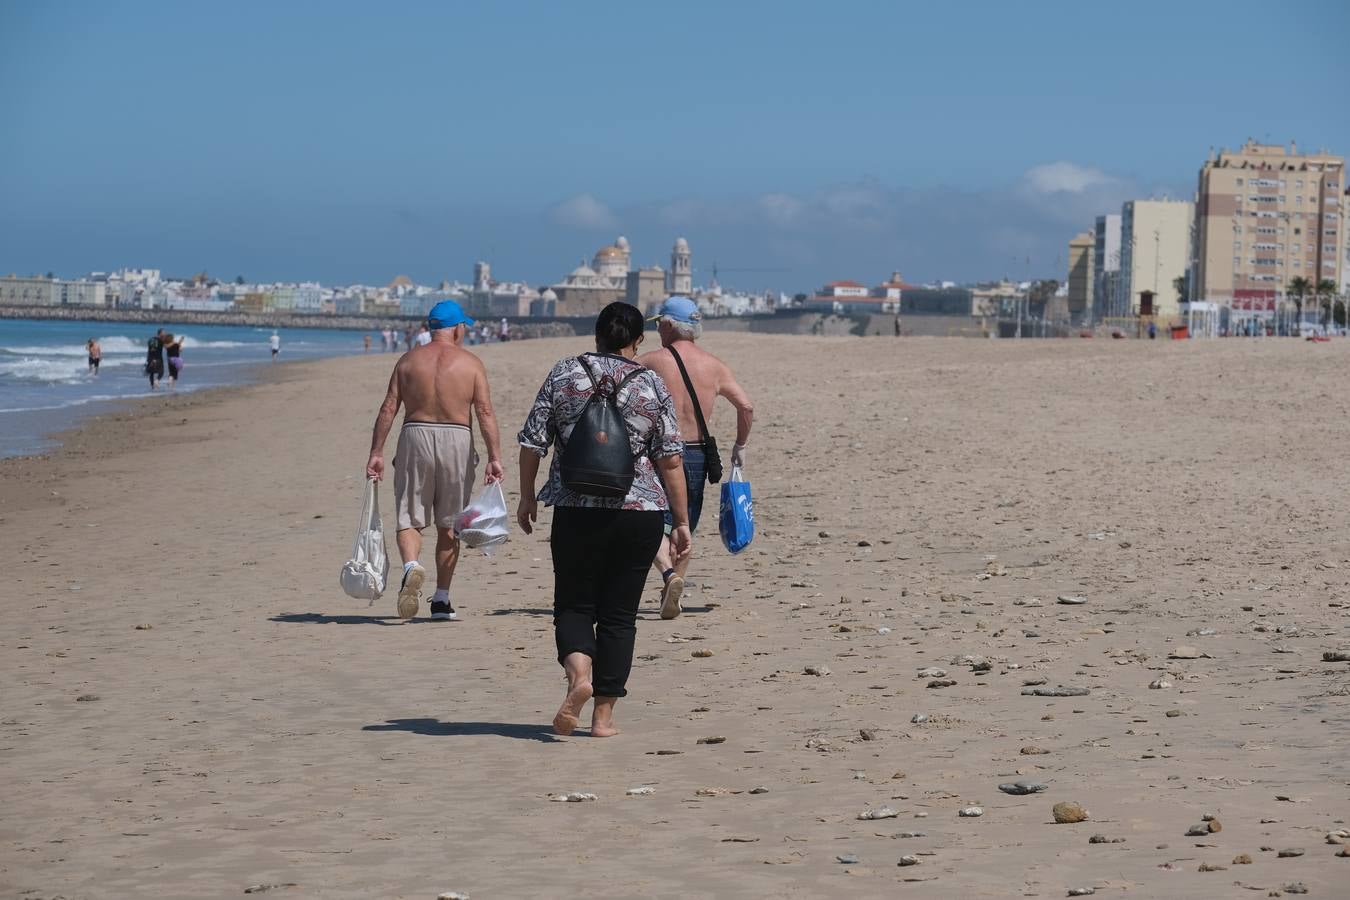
(671, 470)
(487, 424)
(730, 388)
(384, 420)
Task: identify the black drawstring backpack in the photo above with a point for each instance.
(598, 460)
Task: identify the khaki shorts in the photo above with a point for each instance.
(433, 474)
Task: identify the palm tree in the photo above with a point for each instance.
(1299, 288)
(1326, 293)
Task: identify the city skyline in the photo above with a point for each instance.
(419, 140)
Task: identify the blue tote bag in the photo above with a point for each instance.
(736, 517)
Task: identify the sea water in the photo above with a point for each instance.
(46, 386)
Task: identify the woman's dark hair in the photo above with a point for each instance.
(618, 326)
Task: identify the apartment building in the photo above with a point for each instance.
(1082, 250)
(1155, 244)
(1266, 215)
(1106, 268)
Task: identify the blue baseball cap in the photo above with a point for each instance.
(679, 309)
(447, 314)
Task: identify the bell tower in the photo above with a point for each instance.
(681, 269)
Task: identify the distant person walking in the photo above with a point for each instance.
(440, 386)
(602, 546)
(275, 342)
(408, 338)
(699, 378)
(367, 343)
(95, 355)
(154, 361)
(173, 348)
(423, 336)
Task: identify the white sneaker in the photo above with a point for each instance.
(411, 592)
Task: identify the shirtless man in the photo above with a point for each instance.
(681, 324)
(438, 385)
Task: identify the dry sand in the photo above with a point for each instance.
(190, 706)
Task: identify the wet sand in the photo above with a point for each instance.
(191, 707)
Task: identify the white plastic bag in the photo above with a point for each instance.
(483, 523)
(366, 573)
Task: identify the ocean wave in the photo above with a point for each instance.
(53, 371)
(120, 345)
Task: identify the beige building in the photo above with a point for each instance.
(1082, 252)
(1266, 215)
(51, 292)
(1155, 243)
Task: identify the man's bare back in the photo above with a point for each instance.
(438, 383)
(711, 377)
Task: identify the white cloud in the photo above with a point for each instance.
(1066, 178)
(783, 210)
(584, 211)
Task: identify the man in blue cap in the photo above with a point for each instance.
(440, 385)
(696, 379)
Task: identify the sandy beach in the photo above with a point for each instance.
(192, 708)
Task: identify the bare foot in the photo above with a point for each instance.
(565, 722)
(606, 730)
(602, 717)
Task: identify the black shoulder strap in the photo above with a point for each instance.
(693, 397)
(595, 385)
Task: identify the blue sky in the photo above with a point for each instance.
(809, 141)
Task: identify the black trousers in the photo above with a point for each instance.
(600, 563)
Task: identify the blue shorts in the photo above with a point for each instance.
(694, 480)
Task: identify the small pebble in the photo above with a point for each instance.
(847, 859)
(1032, 750)
(941, 682)
(573, 797)
(1209, 867)
(885, 812)
(1242, 859)
(452, 895)
(1184, 652)
(818, 671)
(908, 860)
(1290, 852)
(867, 734)
(144, 627)
(1071, 599)
(919, 719)
(1019, 788)
(1172, 713)
(1060, 691)
(640, 791)
(759, 790)
(716, 739)
(700, 654)
(971, 812)
(1339, 836)
(1336, 656)
(1297, 887)
(1103, 839)
(1082, 892)
(1159, 684)
(1066, 813)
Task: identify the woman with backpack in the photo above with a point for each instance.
(607, 491)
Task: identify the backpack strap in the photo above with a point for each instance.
(693, 397)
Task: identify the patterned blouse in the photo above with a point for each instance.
(644, 403)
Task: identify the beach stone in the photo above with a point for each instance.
(818, 671)
(1339, 836)
(1071, 599)
(883, 630)
(1210, 867)
(1067, 812)
(1201, 830)
(1033, 750)
(716, 739)
(1172, 713)
(1185, 652)
(911, 834)
(1022, 787)
(867, 734)
(759, 790)
(1103, 839)
(1344, 852)
(1336, 656)
(908, 860)
(864, 543)
(918, 719)
(1297, 887)
(1061, 691)
(1201, 632)
(87, 698)
(264, 888)
(573, 797)
(701, 654)
(941, 682)
(885, 812)
(642, 791)
(1242, 859)
(1159, 684)
(144, 627)
(932, 672)
(1082, 891)
(452, 895)
(1213, 824)
(971, 812)
(1290, 852)
(848, 859)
